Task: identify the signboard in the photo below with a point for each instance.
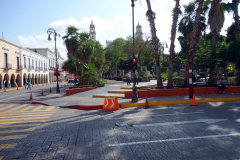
(182, 70)
(220, 71)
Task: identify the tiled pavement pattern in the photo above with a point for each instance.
(75, 134)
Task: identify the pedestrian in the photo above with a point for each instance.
(29, 85)
(128, 78)
(221, 86)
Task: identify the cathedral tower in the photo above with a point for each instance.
(92, 32)
(139, 30)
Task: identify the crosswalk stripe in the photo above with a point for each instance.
(50, 108)
(2, 120)
(19, 125)
(13, 137)
(14, 116)
(7, 107)
(15, 108)
(24, 109)
(20, 130)
(22, 122)
(26, 113)
(37, 109)
(8, 146)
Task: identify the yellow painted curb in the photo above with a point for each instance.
(102, 96)
(119, 92)
(126, 88)
(180, 102)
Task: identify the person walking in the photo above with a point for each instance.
(221, 86)
(128, 78)
(29, 85)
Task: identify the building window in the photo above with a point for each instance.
(5, 60)
(28, 62)
(24, 58)
(17, 62)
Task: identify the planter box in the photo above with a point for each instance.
(179, 92)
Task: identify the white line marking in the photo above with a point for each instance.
(156, 115)
(175, 139)
(208, 121)
(4, 96)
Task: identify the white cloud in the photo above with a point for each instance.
(40, 40)
(123, 21)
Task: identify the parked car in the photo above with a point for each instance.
(70, 80)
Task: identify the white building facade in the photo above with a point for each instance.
(35, 67)
(51, 62)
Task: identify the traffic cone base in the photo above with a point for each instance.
(5, 89)
(194, 101)
(146, 104)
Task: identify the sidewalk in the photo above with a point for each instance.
(85, 98)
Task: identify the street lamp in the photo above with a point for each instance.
(49, 32)
(134, 88)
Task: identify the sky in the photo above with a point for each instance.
(25, 22)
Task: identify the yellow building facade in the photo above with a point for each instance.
(10, 64)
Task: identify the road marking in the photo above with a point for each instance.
(37, 109)
(13, 137)
(8, 146)
(50, 108)
(19, 125)
(22, 130)
(15, 108)
(156, 115)
(175, 139)
(3, 96)
(24, 109)
(7, 107)
(1, 157)
(208, 121)
(15, 116)
(27, 114)
(22, 122)
(2, 120)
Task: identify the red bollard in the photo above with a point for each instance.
(42, 92)
(5, 89)
(25, 86)
(32, 85)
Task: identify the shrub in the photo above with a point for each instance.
(164, 77)
(164, 69)
(179, 81)
(232, 80)
(102, 81)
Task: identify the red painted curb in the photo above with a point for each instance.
(36, 102)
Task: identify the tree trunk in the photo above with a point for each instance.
(213, 53)
(194, 33)
(151, 16)
(176, 12)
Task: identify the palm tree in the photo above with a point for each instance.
(236, 19)
(155, 41)
(176, 12)
(194, 34)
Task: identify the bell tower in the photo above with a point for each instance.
(92, 32)
(139, 30)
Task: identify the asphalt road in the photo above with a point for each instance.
(207, 131)
(23, 95)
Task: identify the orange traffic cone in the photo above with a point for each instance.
(30, 96)
(37, 85)
(25, 86)
(42, 92)
(50, 90)
(32, 85)
(194, 101)
(17, 87)
(61, 86)
(146, 104)
(5, 89)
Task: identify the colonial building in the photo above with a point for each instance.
(92, 31)
(10, 64)
(51, 63)
(35, 67)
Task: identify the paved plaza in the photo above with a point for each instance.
(207, 131)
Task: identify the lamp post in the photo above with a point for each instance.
(134, 88)
(49, 32)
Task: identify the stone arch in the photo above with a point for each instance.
(32, 81)
(12, 81)
(24, 79)
(29, 77)
(36, 79)
(39, 79)
(1, 82)
(18, 80)
(6, 80)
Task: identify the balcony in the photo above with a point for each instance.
(19, 67)
(7, 66)
(25, 67)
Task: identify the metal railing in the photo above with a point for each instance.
(19, 67)
(7, 66)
